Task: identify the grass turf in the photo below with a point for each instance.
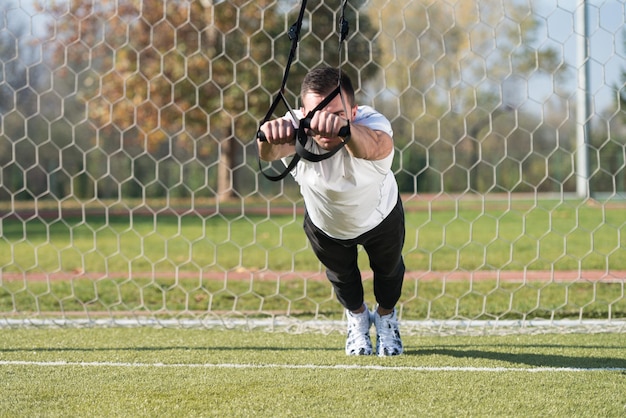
(194, 372)
(170, 263)
(539, 236)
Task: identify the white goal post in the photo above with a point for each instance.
(130, 192)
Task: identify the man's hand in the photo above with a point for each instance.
(279, 131)
(276, 139)
(326, 124)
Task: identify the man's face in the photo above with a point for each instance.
(311, 100)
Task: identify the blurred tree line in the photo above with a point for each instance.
(153, 98)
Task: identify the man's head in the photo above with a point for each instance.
(322, 81)
(316, 86)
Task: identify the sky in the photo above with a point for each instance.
(607, 50)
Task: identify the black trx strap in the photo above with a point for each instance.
(294, 36)
(301, 137)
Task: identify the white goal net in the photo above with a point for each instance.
(130, 191)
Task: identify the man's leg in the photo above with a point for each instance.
(384, 247)
(340, 260)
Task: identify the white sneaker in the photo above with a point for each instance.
(358, 342)
(388, 340)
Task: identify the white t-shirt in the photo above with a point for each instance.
(347, 196)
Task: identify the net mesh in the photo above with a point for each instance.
(130, 194)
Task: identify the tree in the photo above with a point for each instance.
(448, 64)
(21, 131)
(611, 173)
(161, 79)
(180, 80)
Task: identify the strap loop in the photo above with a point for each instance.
(301, 137)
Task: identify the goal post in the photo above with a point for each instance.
(130, 191)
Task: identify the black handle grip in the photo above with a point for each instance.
(306, 123)
(343, 132)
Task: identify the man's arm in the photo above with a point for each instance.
(369, 144)
(279, 140)
(364, 142)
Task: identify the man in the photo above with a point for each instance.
(350, 199)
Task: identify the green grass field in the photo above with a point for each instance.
(148, 372)
(105, 267)
(532, 235)
(162, 263)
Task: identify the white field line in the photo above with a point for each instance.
(312, 367)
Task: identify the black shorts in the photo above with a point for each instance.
(383, 245)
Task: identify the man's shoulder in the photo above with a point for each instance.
(370, 117)
(365, 110)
